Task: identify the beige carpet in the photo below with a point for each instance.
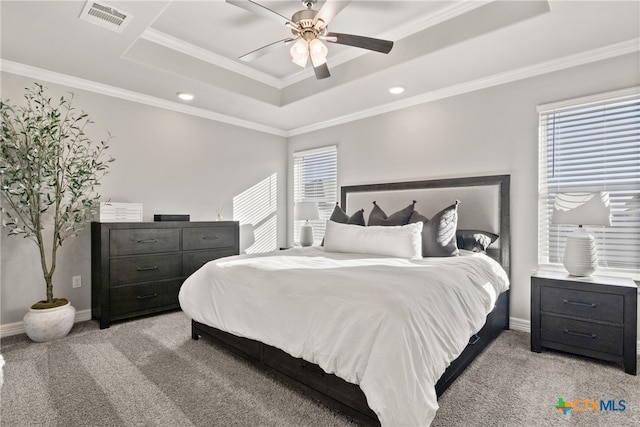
(150, 372)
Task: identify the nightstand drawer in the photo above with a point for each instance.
(137, 298)
(143, 241)
(592, 336)
(208, 237)
(144, 269)
(588, 305)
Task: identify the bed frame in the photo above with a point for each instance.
(484, 205)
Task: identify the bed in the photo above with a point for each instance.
(341, 325)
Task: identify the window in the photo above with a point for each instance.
(315, 178)
(587, 145)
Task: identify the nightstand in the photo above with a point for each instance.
(591, 316)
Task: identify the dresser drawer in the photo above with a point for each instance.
(208, 237)
(144, 269)
(143, 241)
(191, 261)
(588, 305)
(576, 333)
(137, 298)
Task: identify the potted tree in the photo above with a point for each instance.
(49, 171)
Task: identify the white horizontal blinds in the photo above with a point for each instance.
(315, 178)
(587, 148)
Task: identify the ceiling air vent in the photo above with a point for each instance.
(105, 16)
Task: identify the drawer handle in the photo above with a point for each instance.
(209, 237)
(474, 339)
(155, 267)
(147, 241)
(581, 304)
(580, 334)
(146, 296)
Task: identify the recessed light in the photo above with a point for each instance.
(397, 89)
(185, 96)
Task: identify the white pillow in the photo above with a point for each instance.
(402, 241)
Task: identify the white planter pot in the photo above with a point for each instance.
(48, 324)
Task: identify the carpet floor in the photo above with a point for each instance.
(149, 372)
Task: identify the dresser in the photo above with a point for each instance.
(591, 316)
(137, 268)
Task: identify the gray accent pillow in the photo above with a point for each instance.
(439, 233)
(338, 215)
(378, 217)
(475, 240)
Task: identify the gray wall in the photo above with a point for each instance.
(169, 162)
(487, 132)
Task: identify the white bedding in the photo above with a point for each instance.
(390, 325)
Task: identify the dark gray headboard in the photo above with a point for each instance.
(484, 203)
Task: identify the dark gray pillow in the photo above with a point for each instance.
(475, 240)
(439, 233)
(338, 215)
(378, 217)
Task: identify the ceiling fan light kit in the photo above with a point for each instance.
(309, 28)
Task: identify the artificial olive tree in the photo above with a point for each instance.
(49, 171)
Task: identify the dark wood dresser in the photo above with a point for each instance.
(591, 316)
(137, 268)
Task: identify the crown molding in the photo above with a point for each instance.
(116, 92)
(595, 55)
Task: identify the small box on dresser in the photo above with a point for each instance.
(138, 268)
(592, 316)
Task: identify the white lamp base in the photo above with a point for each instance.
(306, 234)
(580, 258)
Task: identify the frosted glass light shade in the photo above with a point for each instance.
(300, 53)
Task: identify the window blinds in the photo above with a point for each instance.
(315, 178)
(586, 147)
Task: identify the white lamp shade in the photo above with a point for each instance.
(306, 211)
(582, 209)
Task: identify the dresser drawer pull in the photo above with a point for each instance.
(581, 304)
(474, 339)
(146, 296)
(155, 267)
(147, 241)
(209, 237)
(580, 334)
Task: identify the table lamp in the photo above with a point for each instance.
(580, 258)
(306, 211)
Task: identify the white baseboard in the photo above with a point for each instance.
(18, 327)
(522, 325)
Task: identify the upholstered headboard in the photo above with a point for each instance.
(484, 203)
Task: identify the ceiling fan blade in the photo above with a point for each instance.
(322, 71)
(255, 54)
(264, 11)
(378, 45)
(328, 11)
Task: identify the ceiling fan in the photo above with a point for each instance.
(310, 29)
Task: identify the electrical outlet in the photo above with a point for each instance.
(76, 281)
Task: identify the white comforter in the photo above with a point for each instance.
(390, 325)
